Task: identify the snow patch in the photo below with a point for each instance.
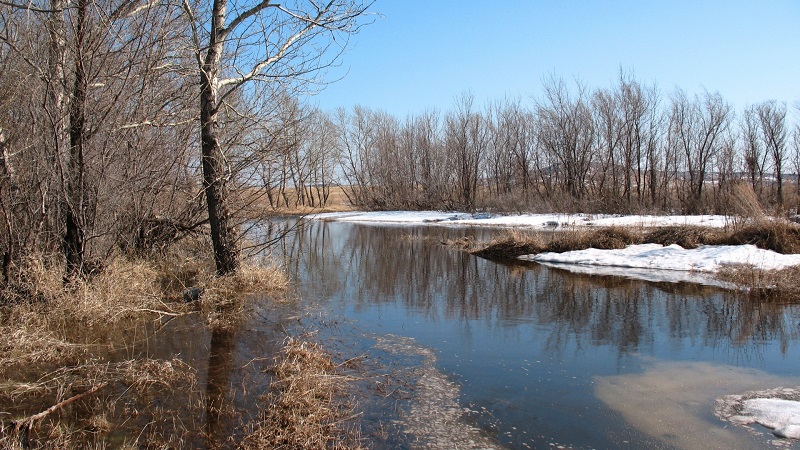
(708, 259)
(542, 221)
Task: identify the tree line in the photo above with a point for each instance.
(623, 149)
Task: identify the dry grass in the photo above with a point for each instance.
(86, 400)
(516, 243)
(604, 239)
(510, 245)
(223, 299)
(254, 204)
(49, 323)
(743, 202)
(781, 286)
(776, 235)
(307, 408)
(58, 342)
(686, 237)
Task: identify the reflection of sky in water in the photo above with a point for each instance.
(530, 344)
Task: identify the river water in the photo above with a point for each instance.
(483, 354)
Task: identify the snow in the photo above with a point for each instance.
(779, 415)
(539, 221)
(708, 259)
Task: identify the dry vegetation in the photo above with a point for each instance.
(63, 381)
(307, 408)
(253, 203)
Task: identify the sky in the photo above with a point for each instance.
(422, 54)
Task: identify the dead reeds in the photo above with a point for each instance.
(510, 245)
(307, 407)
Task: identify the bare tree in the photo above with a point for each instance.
(772, 121)
(237, 44)
(92, 65)
(608, 123)
(754, 154)
(566, 132)
(355, 144)
(796, 164)
(466, 143)
(697, 127)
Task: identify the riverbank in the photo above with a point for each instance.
(81, 365)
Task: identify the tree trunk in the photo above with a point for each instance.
(74, 236)
(215, 174)
(215, 171)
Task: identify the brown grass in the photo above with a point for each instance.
(307, 408)
(85, 401)
(604, 239)
(510, 245)
(776, 235)
(687, 237)
(516, 243)
(781, 286)
(255, 204)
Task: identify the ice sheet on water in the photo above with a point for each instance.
(777, 409)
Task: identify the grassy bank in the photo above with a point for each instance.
(779, 236)
(75, 367)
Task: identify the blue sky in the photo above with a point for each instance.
(419, 54)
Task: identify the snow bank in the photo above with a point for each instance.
(541, 221)
(709, 259)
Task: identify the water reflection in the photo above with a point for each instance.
(527, 343)
(368, 266)
(220, 367)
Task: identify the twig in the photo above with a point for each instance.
(156, 311)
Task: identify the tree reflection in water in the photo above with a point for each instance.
(370, 265)
(220, 367)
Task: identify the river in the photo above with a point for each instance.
(479, 354)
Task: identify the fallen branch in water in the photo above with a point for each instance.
(23, 427)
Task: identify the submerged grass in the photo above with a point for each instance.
(307, 407)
